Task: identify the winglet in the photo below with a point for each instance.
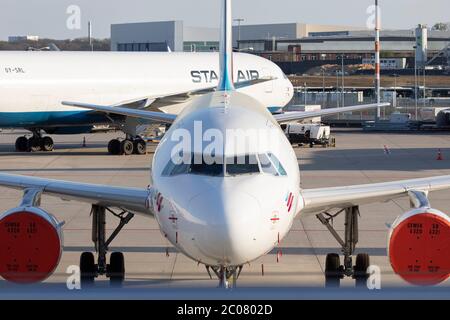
(226, 49)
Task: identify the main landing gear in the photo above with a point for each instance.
(228, 276)
(34, 143)
(128, 146)
(334, 271)
(115, 270)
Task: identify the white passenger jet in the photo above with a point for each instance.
(228, 212)
(33, 84)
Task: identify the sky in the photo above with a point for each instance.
(49, 18)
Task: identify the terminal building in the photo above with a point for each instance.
(354, 44)
(158, 36)
(163, 36)
(294, 46)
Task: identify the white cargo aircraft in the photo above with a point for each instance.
(33, 84)
(224, 214)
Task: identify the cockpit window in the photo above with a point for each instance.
(195, 165)
(266, 165)
(247, 164)
(234, 166)
(277, 164)
(214, 169)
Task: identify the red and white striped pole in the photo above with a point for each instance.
(377, 58)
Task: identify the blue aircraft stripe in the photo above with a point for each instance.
(50, 118)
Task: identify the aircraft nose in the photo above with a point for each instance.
(230, 222)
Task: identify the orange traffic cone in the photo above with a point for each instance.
(439, 157)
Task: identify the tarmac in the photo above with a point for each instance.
(152, 263)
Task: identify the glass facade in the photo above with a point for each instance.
(155, 46)
(200, 46)
(188, 46)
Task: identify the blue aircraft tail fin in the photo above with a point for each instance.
(226, 49)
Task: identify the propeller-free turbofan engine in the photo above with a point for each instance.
(419, 246)
(30, 245)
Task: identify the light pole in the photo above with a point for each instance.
(305, 95)
(415, 80)
(323, 88)
(91, 44)
(239, 20)
(343, 84)
(424, 86)
(337, 89)
(337, 92)
(323, 81)
(395, 76)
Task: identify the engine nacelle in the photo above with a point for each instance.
(30, 245)
(419, 246)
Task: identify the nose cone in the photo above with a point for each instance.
(230, 224)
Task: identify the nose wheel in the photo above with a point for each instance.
(227, 276)
(334, 270)
(115, 270)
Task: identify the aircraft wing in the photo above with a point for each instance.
(129, 112)
(131, 199)
(301, 115)
(316, 200)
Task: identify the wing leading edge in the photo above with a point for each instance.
(295, 116)
(131, 199)
(316, 200)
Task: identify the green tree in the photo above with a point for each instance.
(440, 26)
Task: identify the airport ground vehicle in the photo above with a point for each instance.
(309, 133)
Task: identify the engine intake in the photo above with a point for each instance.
(419, 246)
(30, 245)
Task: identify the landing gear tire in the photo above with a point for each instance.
(114, 147)
(127, 147)
(116, 269)
(332, 271)
(47, 144)
(140, 147)
(360, 270)
(34, 144)
(348, 246)
(87, 269)
(22, 144)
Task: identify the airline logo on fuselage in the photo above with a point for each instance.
(209, 76)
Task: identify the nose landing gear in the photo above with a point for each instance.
(227, 276)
